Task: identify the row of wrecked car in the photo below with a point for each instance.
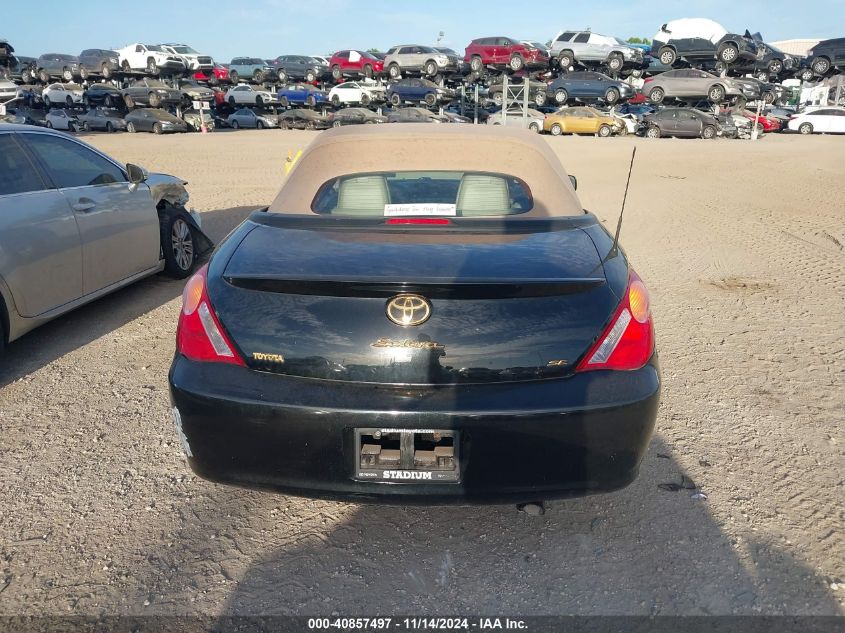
(687, 42)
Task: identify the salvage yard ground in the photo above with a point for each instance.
(738, 509)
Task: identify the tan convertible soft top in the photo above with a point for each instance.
(431, 147)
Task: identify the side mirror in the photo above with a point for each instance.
(574, 181)
(137, 175)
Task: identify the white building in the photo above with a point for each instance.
(796, 47)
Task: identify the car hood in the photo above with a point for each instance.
(165, 187)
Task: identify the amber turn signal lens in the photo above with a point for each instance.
(638, 300)
(192, 295)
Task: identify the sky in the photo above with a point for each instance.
(268, 28)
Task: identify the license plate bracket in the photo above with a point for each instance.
(407, 455)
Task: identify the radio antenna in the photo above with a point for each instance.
(624, 199)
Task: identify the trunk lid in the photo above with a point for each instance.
(502, 306)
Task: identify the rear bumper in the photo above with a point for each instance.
(518, 441)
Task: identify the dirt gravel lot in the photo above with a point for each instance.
(742, 246)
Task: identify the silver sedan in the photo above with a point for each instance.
(80, 226)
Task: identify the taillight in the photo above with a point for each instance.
(199, 335)
(628, 342)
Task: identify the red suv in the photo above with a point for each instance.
(355, 63)
(504, 51)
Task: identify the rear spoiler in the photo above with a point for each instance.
(507, 225)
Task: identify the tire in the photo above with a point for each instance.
(368, 71)
(46, 100)
(130, 127)
(604, 131)
(177, 243)
(475, 64)
(716, 94)
(667, 56)
(807, 75)
(534, 127)
(108, 101)
(498, 99)
(125, 67)
(805, 128)
(49, 125)
(775, 67)
(708, 132)
(258, 77)
(233, 75)
(310, 76)
(27, 76)
(516, 63)
(623, 131)
(653, 132)
(235, 125)
(657, 95)
(561, 96)
(336, 73)
(157, 129)
(720, 67)
(728, 53)
(365, 99)
(394, 72)
(259, 125)
(128, 101)
(615, 62)
(232, 101)
(540, 97)
(71, 127)
(69, 101)
(109, 127)
(565, 60)
(106, 71)
(283, 102)
(152, 69)
(769, 97)
(611, 96)
(311, 101)
(821, 66)
(337, 124)
(335, 101)
(83, 73)
(431, 99)
(154, 99)
(556, 130)
(44, 76)
(85, 127)
(762, 75)
(67, 75)
(259, 102)
(395, 100)
(283, 76)
(431, 69)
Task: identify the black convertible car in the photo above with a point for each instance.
(441, 324)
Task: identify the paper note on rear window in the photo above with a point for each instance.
(418, 208)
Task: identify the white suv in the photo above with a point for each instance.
(149, 58)
(569, 47)
(193, 60)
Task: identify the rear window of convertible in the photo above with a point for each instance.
(423, 193)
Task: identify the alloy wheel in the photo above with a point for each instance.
(182, 243)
